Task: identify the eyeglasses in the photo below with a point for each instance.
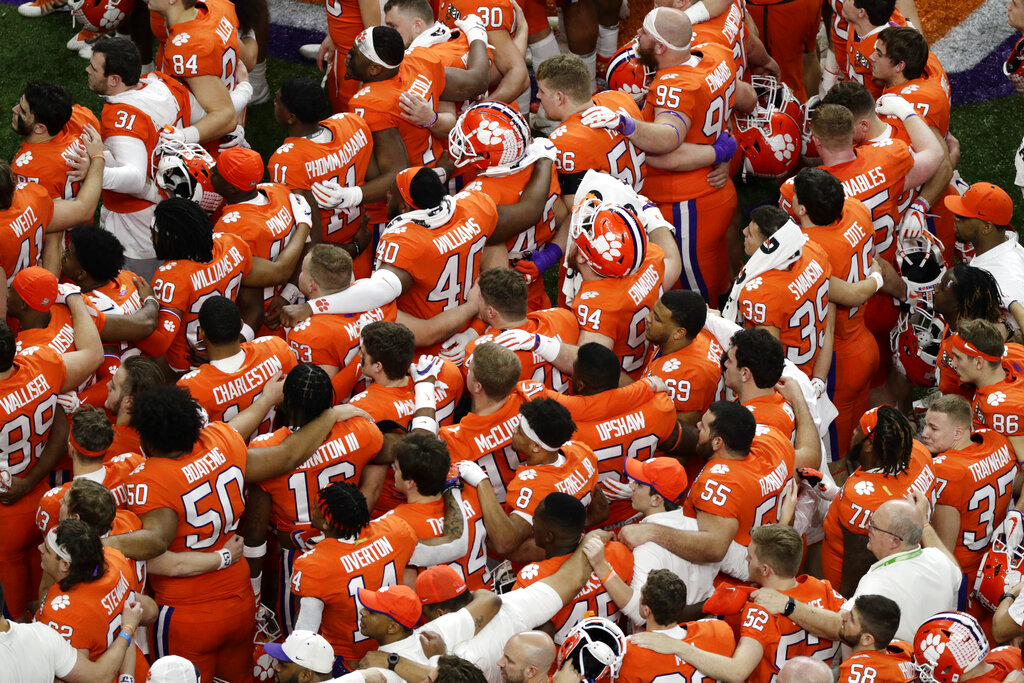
(872, 526)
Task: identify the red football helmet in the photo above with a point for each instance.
(948, 645)
(183, 170)
(1001, 567)
(489, 134)
(770, 135)
(920, 263)
(915, 342)
(626, 73)
(595, 646)
(1013, 67)
(607, 236)
(100, 16)
(809, 149)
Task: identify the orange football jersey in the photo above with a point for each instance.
(601, 307)
(45, 162)
(225, 394)
(728, 29)
(789, 30)
(999, 406)
(692, 373)
(334, 570)
(344, 22)
(977, 482)
(496, 15)
(573, 472)
(339, 151)
(28, 398)
(592, 598)
(22, 226)
(88, 615)
(507, 190)
(427, 520)
(840, 30)
(204, 46)
(773, 411)
(781, 638)
(633, 431)
(552, 322)
(876, 178)
(705, 94)
(930, 96)
(640, 665)
(794, 300)
(115, 475)
(444, 261)
(858, 55)
(183, 286)
(1004, 661)
(893, 664)
(581, 148)
(349, 446)
(59, 334)
(206, 489)
(748, 490)
(862, 494)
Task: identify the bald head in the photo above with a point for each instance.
(903, 519)
(528, 656)
(805, 670)
(672, 25)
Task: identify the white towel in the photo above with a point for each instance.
(778, 252)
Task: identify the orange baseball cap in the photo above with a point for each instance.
(438, 584)
(398, 602)
(728, 599)
(985, 201)
(241, 167)
(666, 476)
(37, 287)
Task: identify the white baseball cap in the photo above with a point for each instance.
(305, 648)
(173, 669)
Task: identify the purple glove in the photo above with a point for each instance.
(546, 256)
(725, 147)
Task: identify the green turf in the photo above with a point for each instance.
(989, 132)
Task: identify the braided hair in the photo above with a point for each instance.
(344, 509)
(976, 293)
(893, 441)
(308, 392)
(86, 551)
(183, 231)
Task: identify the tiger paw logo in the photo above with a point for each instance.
(933, 647)
(169, 325)
(910, 89)
(720, 468)
(527, 475)
(995, 398)
(180, 39)
(231, 217)
(588, 295)
(755, 283)
(609, 248)
(263, 668)
(784, 147)
(864, 488)
(286, 147)
(761, 430)
(23, 159)
(671, 365)
(60, 602)
(529, 572)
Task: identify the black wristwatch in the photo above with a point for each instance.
(790, 606)
(1006, 595)
(393, 661)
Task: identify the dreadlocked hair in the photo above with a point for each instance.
(308, 392)
(86, 551)
(183, 230)
(893, 440)
(344, 508)
(977, 294)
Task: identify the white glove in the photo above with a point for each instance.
(70, 402)
(172, 133)
(301, 211)
(470, 472)
(829, 74)
(66, 289)
(601, 117)
(5, 481)
(517, 340)
(894, 105)
(473, 27)
(653, 219)
(235, 138)
(542, 147)
(330, 195)
(426, 367)
(616, 490)
(454, 348)
(915, 221)
(818, 384)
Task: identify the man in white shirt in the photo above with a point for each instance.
(982, 218)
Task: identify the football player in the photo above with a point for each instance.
(752, 367)
(789, 32)
(235, 374)
(967, 462)
(866, 19)
(35, 430)
(889, 463)
(662, 602)
(767, 639)
(134, 375)
(973, 660)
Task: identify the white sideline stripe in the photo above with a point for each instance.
(975, 38)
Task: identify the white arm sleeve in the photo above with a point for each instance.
(430, 555)
(721, 329)
(378, 290)
(643, 561)
(130, 169)
(311, 612)
(240, 96)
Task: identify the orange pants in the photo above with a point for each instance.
(943, 226)
(19, 555)
(856, 360)
(217, 636)
(340, 89)
(701, 225)
(881, 313)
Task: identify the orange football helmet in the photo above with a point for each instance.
(489, 134)
(609, 237)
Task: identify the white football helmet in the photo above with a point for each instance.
(595, 646)
(920, 263)
(1000, 569)
(915, 341)
(182, 169)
